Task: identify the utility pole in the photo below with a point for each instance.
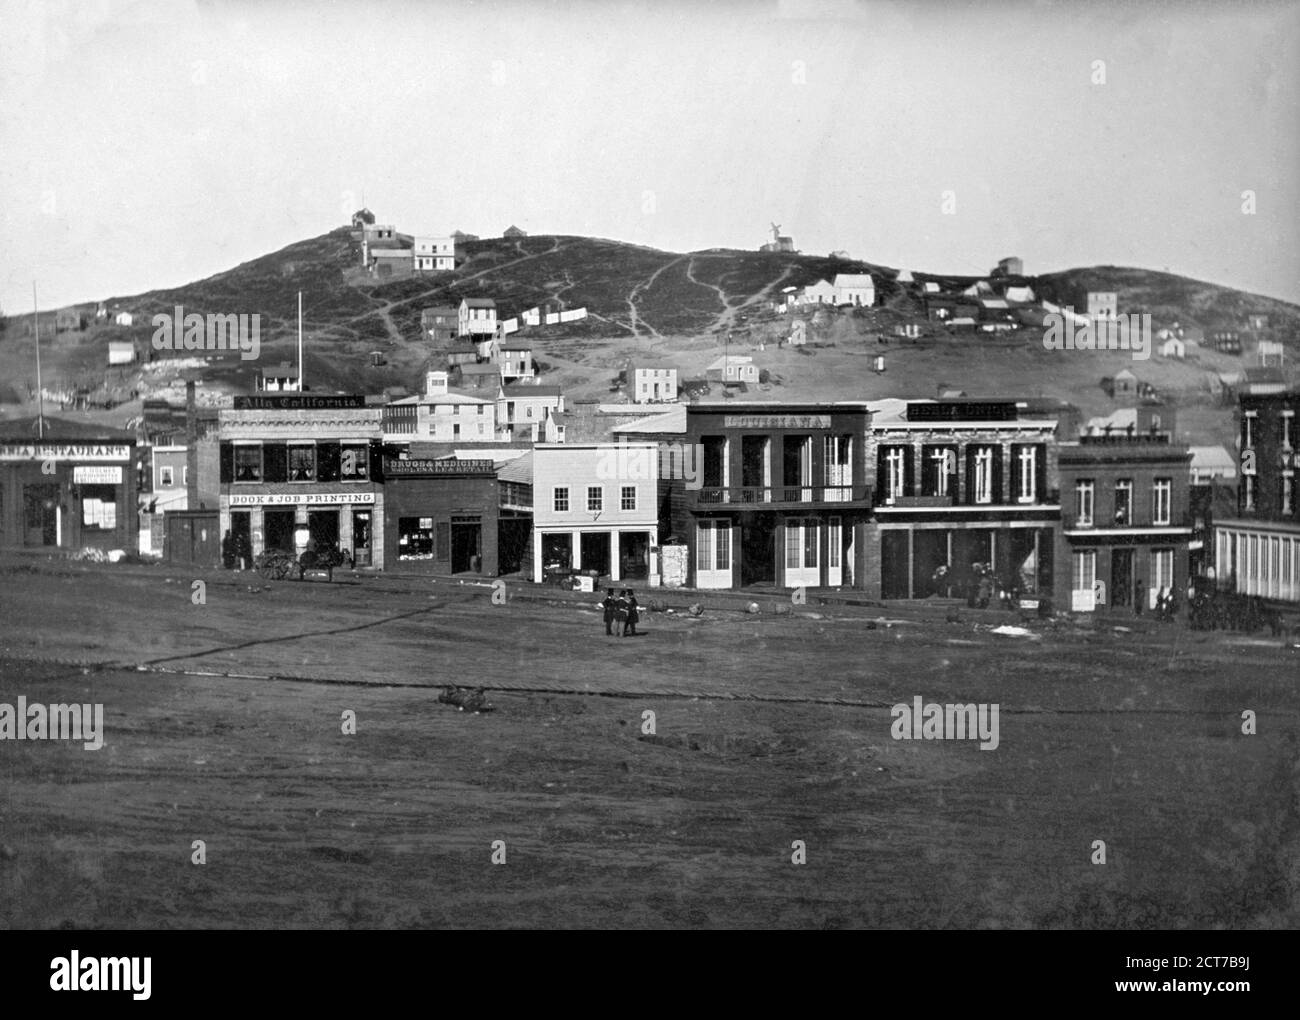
(40, 393)
(301, 386)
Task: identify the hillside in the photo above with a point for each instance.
(651, 303)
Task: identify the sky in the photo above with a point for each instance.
(148, 144)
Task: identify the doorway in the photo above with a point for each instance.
(595, 552)
(1121, 577)
(323, 526)
(633, 556)
(758, 549)
(466, 545)
(277, 526)
(41, 514)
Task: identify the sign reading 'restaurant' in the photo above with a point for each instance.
(295, 498)
(64, 451)
(777, 421)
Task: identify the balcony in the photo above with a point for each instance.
(780, 496)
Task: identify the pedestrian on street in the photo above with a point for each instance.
(620, 614)
(632, 615)
(608, 606)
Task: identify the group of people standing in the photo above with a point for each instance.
(620, 612)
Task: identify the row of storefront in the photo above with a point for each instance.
(896, 499)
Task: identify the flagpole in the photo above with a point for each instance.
(301, 388)
(40, 392)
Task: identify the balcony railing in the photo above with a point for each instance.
(769, 494)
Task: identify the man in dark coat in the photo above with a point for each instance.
(608, 606)
(620, 614)
(632, 615)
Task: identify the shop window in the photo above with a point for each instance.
(415, 538)
(99, 507)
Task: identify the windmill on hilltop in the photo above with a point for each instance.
(778, 242)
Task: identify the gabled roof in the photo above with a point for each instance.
(516, 345)
(484, 369)
(1125, 373)
(518, 470)
(1213, 458)
(478, 302)
(854, 280)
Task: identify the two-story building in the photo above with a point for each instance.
(296, 466)
(441, 415)
(515, 359)
(956, 484)
(529, 412)
(771, 494)
(1257, 551)
(1126, 523)
(434, 254)
(440, 323)
(651, 382)
(477, 317)
(595, 509)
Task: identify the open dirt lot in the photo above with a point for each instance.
(768, 729)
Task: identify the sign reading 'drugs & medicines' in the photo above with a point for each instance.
(64, 451)
(297, 498)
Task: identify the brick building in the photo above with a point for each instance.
(1257, 551)
(958, 483)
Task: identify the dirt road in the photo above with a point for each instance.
(767, 731)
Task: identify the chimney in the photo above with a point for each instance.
(435, 384)
(191, 448)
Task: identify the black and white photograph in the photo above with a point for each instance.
(766, 465)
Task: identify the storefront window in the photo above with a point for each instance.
(99, 507)
(415, 538)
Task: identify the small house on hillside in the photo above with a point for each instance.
(440, 323)
(434, 254)
(1100, 304)
(1226, 341)
(1173, 348)
(651, 381)
(733, 368)
(1124, 383)
(390, 263)
(477, 317)
(820, 293)
(512, 232)
(1010, 266)
(856, 289)
(67, 319)
(480, 376)
(123, 319)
